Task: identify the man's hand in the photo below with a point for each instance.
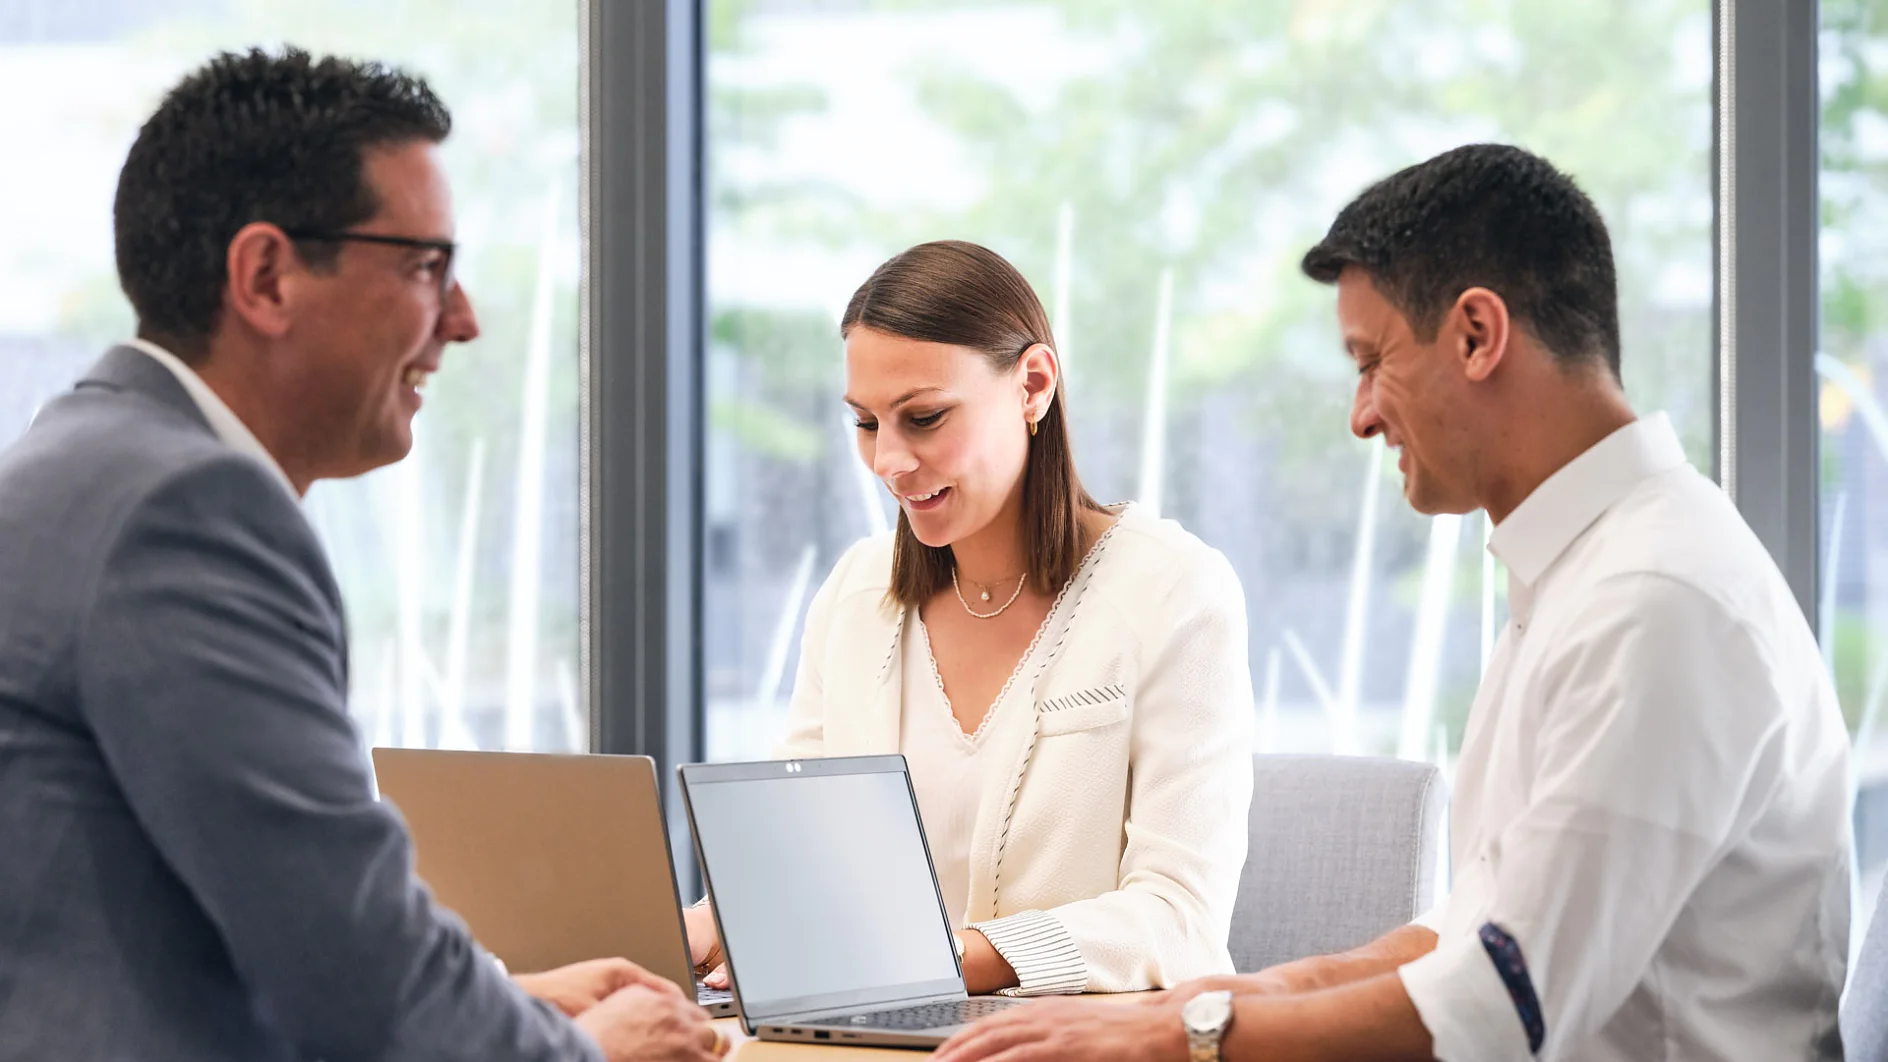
(1074, 1029)
(640, 1024)
(576, 988)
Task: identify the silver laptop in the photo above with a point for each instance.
(549, 859)
(831, 920)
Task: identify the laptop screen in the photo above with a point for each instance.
(822, 884)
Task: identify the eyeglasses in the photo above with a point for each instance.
(446, 247)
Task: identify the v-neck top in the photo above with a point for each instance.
(949, 768)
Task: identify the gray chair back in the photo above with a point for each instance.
(1865, 1005)
(1342, 850)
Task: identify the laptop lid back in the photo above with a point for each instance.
(549, 859)
(823, 885)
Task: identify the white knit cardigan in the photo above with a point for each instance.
(1108, 857)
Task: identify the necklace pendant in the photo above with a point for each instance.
(986, 595)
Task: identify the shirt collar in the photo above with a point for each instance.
(1541, 528)
(223, 420)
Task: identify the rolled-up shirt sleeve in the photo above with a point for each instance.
(1659, 738)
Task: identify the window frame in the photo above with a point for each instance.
(641, 385)
(643, 343)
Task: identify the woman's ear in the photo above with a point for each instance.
(1039, 374)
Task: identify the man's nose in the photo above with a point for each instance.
(1364, 421)
(458, 323)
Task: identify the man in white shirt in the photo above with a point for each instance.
(1650, 840)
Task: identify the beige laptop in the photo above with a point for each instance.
(550, 859)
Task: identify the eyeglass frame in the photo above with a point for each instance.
(447, 277)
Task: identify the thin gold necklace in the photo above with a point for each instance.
(1021, 580)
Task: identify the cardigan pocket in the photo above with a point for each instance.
(1083, 710)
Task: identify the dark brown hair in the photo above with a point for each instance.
(959, 293)
(249, 137)
(1484, 215)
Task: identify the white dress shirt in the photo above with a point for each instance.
(223, 420)
(1652, 798)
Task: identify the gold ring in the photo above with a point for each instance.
(721, 1041)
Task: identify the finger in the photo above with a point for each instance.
(619, 973)
(1034, 1051)
(711, 1044)
(717, 978)
(987, 1039)
(660, 985)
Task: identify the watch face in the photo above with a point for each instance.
(1207, 1012)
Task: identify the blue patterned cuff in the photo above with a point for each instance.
(1513, 970)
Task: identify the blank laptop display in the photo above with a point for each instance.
(827, 900)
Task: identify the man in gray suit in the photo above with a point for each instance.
(192, 862)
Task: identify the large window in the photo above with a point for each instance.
(1852, 369)
(459, 565)
(1156, 170)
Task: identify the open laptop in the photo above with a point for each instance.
(549, 859)
(831, 920)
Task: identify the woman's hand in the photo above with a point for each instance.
(985, 969)
(704, 945)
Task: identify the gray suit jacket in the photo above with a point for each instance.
(192, 862)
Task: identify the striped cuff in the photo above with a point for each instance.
(1040, 950)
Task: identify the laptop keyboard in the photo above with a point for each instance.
(927, 1015)
(712, 997)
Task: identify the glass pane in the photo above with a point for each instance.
(1852, 368)
(459, 565)
(1156, 170)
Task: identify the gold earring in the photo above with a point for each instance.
(1032, 429)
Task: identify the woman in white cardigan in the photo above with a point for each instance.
(1068, 681)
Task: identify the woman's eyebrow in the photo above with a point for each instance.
(896, 402)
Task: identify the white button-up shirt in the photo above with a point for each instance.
(1652, 798)
(223, 420)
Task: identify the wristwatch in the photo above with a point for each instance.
(1206, 1016)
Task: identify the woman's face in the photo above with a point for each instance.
(946, 433)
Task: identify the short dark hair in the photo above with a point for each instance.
(251, 137)
(958, 293)
(1487, 215)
